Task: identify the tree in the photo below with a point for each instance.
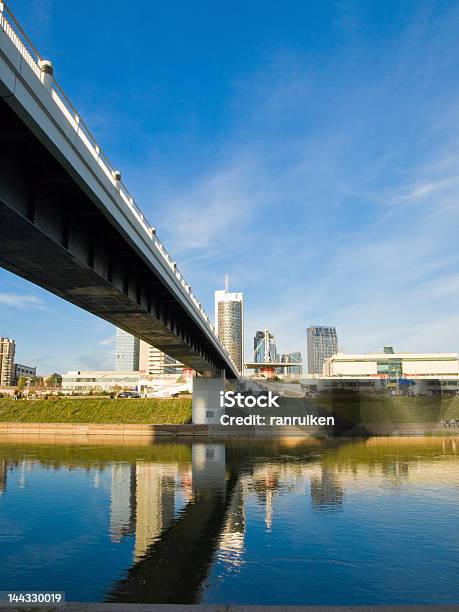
(28, 382)
(55, 380)
(22, 382)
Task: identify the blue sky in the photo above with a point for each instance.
(307, 149)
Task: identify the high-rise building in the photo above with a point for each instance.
(292, 358)
(264, 347)
(229, 323)
(127, 352)
(7, 353)
(154, 362)
(322, 343)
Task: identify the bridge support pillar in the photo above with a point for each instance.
(206, 400)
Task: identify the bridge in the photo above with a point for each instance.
(69, 224)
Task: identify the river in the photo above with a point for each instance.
(291, 521)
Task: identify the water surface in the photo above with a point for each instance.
(293, 521)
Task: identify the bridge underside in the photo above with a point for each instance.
(54, 235)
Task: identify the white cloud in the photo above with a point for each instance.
(427, 188)
(16, 300)
(203, 217)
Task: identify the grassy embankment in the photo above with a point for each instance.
(386, 409)
(346, 408)
(89, 410)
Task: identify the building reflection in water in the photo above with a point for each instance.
(265, 484)
(154, 503)
(123, 501)
(326, 493)
(231, 543)
(144, 495)
(173, 551)
(142, 502)
(3, 475)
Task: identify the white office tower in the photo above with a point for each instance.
(155, 363)
(127, 352)
(229, 323)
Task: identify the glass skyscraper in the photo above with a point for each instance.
(264, 347)
(127, 352)
(322, 342)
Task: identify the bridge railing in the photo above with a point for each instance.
(44, 72)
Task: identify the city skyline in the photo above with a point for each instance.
(108, 361)
(275, 157)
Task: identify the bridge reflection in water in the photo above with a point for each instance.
(173, 551)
